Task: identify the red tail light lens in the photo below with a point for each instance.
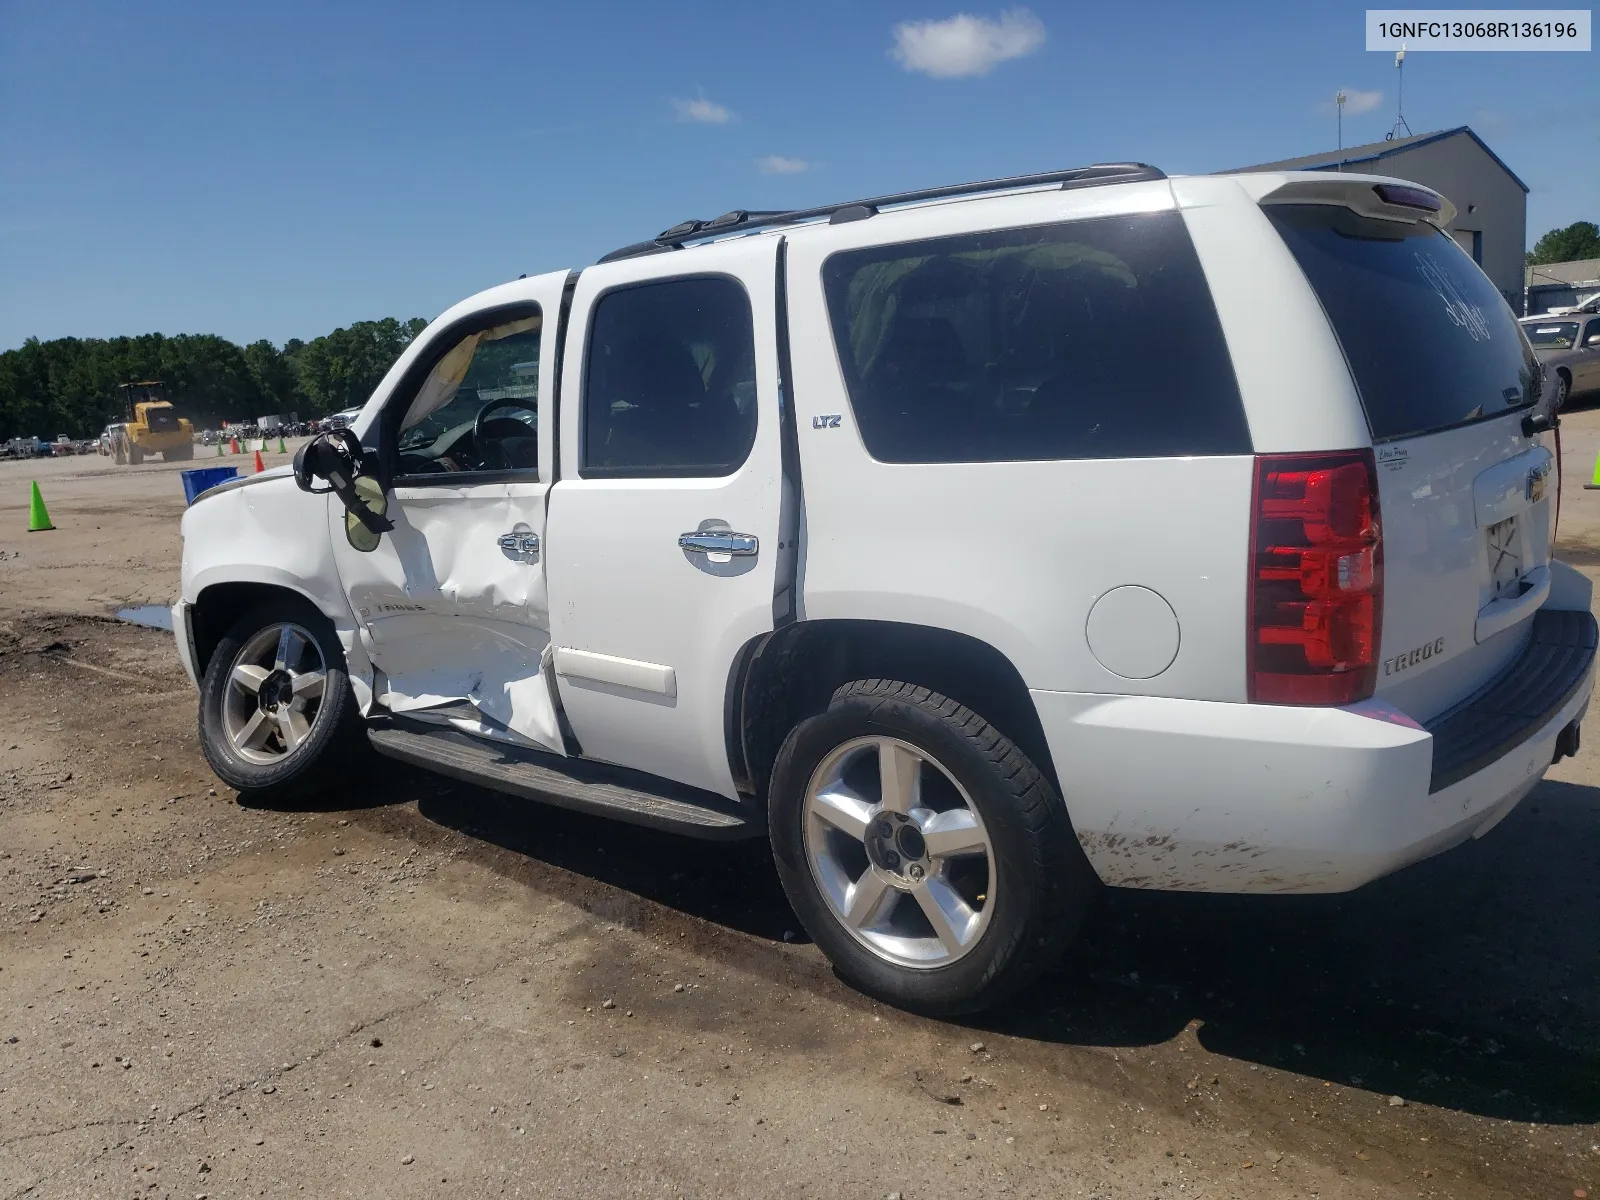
(1316, 578)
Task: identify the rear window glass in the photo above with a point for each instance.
(1430, 341)
(1555, 335)
(1093, 339)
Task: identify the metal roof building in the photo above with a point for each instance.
(1563, 284)
(1491, 202)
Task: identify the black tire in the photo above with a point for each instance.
(1044, 885)
(335, 728)
(1563, 390)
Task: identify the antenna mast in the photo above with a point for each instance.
(1338, 102)
(1400, 96)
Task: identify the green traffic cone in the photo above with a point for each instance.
(1594, 484)
(38, 517)
(219, 449)
(282, 449)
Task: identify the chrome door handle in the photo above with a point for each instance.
(739, 545)
(519, 543)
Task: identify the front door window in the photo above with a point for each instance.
(478, 408)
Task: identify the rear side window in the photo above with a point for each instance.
(1430, 341)
(670, 385)
(1093, 339)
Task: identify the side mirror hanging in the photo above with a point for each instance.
(337, 458)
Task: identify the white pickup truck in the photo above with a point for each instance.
(978, 546)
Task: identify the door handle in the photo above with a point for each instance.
(739, 545)
(519, 543)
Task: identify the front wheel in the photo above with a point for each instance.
(276, 707)
(922, 850)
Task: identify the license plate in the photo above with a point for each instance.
(1505, 557)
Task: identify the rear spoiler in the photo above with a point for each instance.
(1370, 195)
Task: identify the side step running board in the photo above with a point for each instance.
(579, 784)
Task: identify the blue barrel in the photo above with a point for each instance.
(195, 482)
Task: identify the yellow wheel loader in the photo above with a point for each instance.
(153, 426)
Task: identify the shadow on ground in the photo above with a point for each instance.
(1465, 982)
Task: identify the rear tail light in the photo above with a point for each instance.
(1316, 578)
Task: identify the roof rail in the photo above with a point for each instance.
(742, 221)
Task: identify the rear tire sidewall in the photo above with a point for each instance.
(336, 721)
(979, 977)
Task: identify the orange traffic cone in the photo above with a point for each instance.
(260, 466)
(233, 445)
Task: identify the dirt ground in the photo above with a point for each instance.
(418, 988)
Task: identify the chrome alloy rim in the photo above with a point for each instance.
(274, 693)
(899, 851)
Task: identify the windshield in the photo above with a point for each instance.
(1429, 340)
(1553, 335)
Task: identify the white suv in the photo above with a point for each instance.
(978, 546)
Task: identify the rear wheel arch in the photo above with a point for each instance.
(786, 676)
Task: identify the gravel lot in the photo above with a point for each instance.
(410, 987)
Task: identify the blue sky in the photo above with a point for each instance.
(275, 170)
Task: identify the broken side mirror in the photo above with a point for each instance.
(337, 458)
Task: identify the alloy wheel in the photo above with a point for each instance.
(273, 693)
(899, 852)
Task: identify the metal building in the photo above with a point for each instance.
(1562, 284)
(1491, 202)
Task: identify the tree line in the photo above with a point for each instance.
(69, 385)
(1579, 240)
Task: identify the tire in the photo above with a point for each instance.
(1563, 390)
(278, 753)
(118, 457)
(1036, 885)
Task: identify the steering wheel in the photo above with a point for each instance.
(483, 438)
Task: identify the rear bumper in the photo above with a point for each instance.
(1192, 795)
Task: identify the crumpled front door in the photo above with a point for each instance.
(453, 611)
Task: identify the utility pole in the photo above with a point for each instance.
(1338, 102)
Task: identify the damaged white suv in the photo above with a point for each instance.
(977, 546)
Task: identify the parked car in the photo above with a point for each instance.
(1568, 347)
(880, 531)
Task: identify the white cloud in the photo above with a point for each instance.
(778, 164)
(965, 44)
(1356, 102)
(702, 111)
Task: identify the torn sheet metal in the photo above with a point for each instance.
(452, 617)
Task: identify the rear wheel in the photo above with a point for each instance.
(276, 709)
(922, 850)
(135, 455)
(1563, 390)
